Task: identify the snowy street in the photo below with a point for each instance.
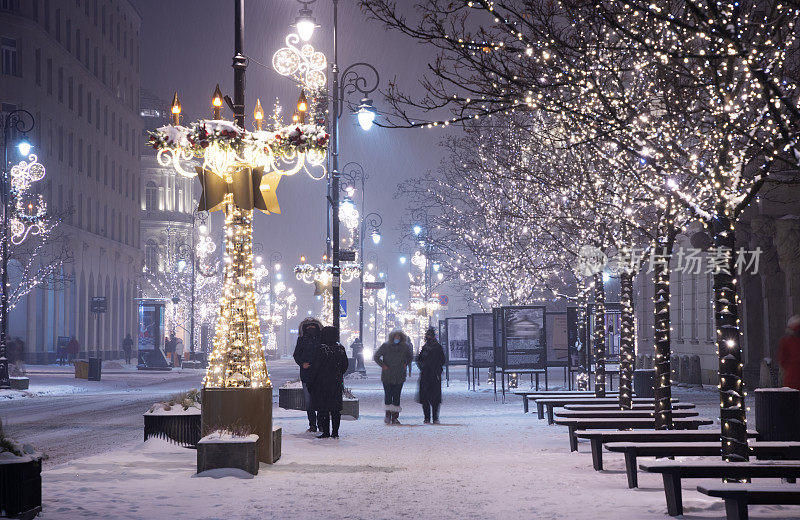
(68, 418)
(486, 459)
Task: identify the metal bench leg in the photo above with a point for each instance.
(597, 454)
(540, 409)
(525, 404)
(550, 408)
(672, 489)
(573, 441)
(630, 469)
(736, 508)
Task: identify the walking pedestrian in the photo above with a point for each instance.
(127, 347)
(326, 382)
(789, 353)
(430, 361)
(73, 348)
(308, 337)
(394, 356)
(169, 348)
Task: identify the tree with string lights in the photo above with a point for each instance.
(686, 102)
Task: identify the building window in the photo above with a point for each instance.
(89, 160)
(151, 255)
(80, 154)
(78, 44)
(80, 100)
(47, 15)
(60, 144)
(10, 57)
(60, 85)
(9, 5)
(38, 60)
(86, 53)
(89, 106)
(97, 114)
(70, 149)
(79, 210)
(58, 25)
(96, 61)
(49, 76)
(35, 10)
(69, 35)
(151, 196)
(70, 93)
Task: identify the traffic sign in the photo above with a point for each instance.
(443, 300)
(374, 285)
(342, 308)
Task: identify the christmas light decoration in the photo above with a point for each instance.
(239, 172)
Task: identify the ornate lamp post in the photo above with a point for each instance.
(16, 227)
(239, 171)
(305, 64)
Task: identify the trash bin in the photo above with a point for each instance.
(643, 380)
(777, 414)
(95, 366)
(81, 369)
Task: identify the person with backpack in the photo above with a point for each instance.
(430, 361)
(308, 341)
(326, 382)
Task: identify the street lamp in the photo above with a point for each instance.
(305, 23)
(351, 81)
(19, 121)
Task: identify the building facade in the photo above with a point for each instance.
(75, 66)
(768, 234)
(167, 227)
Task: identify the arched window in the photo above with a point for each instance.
(151, 255)
(151, 196)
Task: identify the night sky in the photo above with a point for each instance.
(186, 45)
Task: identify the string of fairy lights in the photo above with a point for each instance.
(684, 102)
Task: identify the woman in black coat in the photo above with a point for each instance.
(430, 361)
(326, 382)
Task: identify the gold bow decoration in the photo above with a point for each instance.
(321, 287)
(250, 188)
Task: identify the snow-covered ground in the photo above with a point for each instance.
(486, 460)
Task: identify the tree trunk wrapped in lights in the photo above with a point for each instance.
(599, 336)
(726, 313)
(238, 358)
(662, 379)
(627, 354)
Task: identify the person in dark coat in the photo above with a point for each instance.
(430, 361)
(394, 356)
(308, 334)
(789, 353)
(127, 347)
(326, 382)
(73, 347)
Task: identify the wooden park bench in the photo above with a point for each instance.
(738, 496)
(536, 394)
(674, 472)
(633, 450)
(597, 438)
(608, 414)
(688, 423)
(549, 403)
(636, 406)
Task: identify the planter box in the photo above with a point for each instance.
(21, 489)
(350, 407)
(191, 364)
(291, 399)
(238, 452)
(180, 429)
(19, 383)
(225, 408)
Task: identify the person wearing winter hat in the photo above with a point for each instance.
(789, 353)
(308, 341)
(394, 356)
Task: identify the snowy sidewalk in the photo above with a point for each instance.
(487, 460)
